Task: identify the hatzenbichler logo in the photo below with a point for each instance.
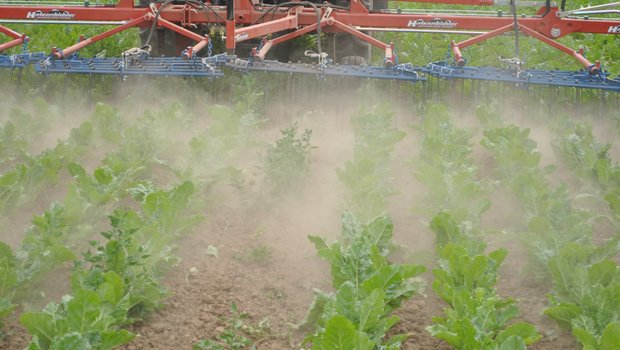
(52, 14)
(434, 23)
(614, 29)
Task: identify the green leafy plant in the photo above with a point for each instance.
(587, 293)
(288, 161)
(368, 289)
(108, 287)
(231, 338)
(584, 277)
(367, 177)
(445, 167)
(465, 278)
(8, 281)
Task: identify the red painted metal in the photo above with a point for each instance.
(18, 38)
(262, 29)
(346, 29)
(12, 43)
(10, 32)
(592, 68)
(175, 28)
(82, 44)
(230, 36)
(260, 54)
(358, 15)
(250, 22)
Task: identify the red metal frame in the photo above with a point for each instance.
(460, 61)
(250, 22)
(18, 38)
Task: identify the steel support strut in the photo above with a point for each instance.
(60, 54)
(18, 38)
(460, 61)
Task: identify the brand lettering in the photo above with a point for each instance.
(434, 23)
(53, 14)
(614, 29)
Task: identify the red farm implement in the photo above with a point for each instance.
(254, 27)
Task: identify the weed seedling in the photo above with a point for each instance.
(231, 338)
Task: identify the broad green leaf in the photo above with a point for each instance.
(380, 231)
(57, 254)
(602, 273)
(347, 300)
(513, 342)
(440, 331)
(314, 313)
(70, 341)
(611, 337)
(76, 170)
(117, 284)
(103, 175)
(34, 344)
(563, 314)
(445, 228)
(586, 338)
(318, 242)
(393, 279)
(41, 325)
(371, 311)
(523, 330)
(84, 311)
(113, 339)
(498, 256)
(340, 334)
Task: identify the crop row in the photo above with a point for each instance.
(465, 278)
(124, 174)
(586, 281)
(368, 287)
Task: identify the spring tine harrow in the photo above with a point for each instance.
(321, 71)
(208, 67)
(524, 78)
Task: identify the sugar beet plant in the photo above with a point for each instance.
(368, 288)
(585, 296)
(465, 278)
(445, 167)
(116, 282)
(288, 161)
(107, 286)
(478, 318)
(57, 234)
(590, 159)
(22, 183)
(367, 176)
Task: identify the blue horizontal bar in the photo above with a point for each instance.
(576, 79)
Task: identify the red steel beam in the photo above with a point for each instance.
(18, 38)
(10, 32)
(262, 29)
(187, 33)
(71, 49)
(11, 44)
(592, 68)
(346, 29)
(456, 48)
(267, 46)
